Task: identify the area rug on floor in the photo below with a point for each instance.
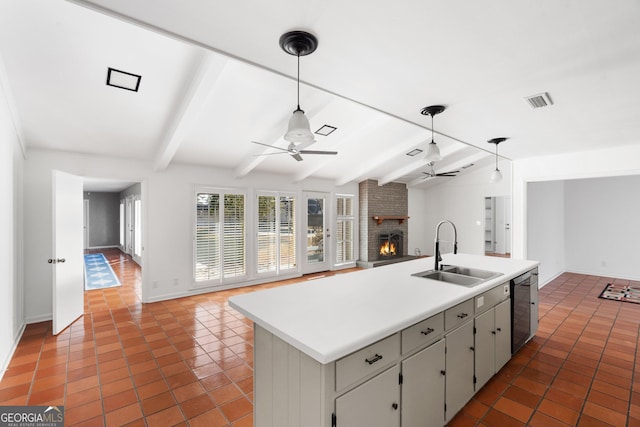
(622, 293)
(98, 274)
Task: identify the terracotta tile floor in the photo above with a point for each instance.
(189, 362)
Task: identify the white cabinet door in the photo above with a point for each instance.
(503, 334)
(423, 387)
(485, 348)
(459, 371)
(372, 404)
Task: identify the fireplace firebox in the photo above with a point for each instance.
(390, 244)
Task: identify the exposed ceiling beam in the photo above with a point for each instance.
(202, 85)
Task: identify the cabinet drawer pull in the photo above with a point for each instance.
(443, 372)
(493, 332)
(374, 359)
(427, 332)
(394, 406)
(462, 315)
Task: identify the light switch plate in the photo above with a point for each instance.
(480, 302)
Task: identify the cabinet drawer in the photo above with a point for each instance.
(458, 314)
(364, 362)
(486, 300)
(422, 333)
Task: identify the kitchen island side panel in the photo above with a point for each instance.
(290, 388)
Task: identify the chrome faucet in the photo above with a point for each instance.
(437, 242)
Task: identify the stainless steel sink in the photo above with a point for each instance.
(462, 276)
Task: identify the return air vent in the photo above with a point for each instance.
(539, 101)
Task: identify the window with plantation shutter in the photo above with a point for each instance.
(220, 242)
(344, 229)
(276, 240)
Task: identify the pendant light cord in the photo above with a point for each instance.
(298, 82)
(431, 127)
(496, 156)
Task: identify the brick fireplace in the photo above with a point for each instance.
(389, 205)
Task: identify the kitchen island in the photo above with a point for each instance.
(322, 346)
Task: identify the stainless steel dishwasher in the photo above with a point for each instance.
(521, 310)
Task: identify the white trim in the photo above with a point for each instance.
(14, 346)
(13, 110)
(40, 318)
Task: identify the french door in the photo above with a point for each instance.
(316, 257)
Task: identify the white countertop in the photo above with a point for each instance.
(331, 317)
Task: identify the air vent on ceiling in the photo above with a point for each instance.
(414, 152)
(539, 101)
(325, 130)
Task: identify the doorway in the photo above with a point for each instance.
(497, 229)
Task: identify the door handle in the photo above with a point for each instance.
(56, 261)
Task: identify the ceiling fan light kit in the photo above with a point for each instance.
(298, 43)
(433, 152)
(496, 176)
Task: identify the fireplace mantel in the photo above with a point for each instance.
(398, 218)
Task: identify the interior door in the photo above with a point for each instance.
(67, 260)
(137, 230)
(317, 233)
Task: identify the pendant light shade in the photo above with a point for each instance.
(298, 43)
(496, 176)
(433, 151)
(298, 130)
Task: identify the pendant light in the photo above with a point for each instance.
(433, 152)
(298, 43)
(496, 176)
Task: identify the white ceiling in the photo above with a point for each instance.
(214, 78)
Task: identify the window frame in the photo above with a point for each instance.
(278, 260)
(221, 279)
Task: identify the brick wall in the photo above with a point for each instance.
(375, 200)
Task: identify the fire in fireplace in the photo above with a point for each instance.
(390, 244)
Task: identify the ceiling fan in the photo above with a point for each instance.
(293, 151)
(298, 43)
(431, 173)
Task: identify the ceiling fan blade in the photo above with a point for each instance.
(271, 154)
(271, 146)
(318, 152)
(297, 156)
(450, 173)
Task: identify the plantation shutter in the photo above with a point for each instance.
(207, 237)
(287, 232)
(220, 242)
(234, 232)
(267, 239)
(344, 229)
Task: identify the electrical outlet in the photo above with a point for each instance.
(176, 282)
(604, 263)
(154, 284)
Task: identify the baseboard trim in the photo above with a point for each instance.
(16, 341)
(38, 319)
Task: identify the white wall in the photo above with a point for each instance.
(546, 227)
(461, 200)
(168, 211)
(610, 162)
(11, 229)
(417, 233)
(603, 226)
